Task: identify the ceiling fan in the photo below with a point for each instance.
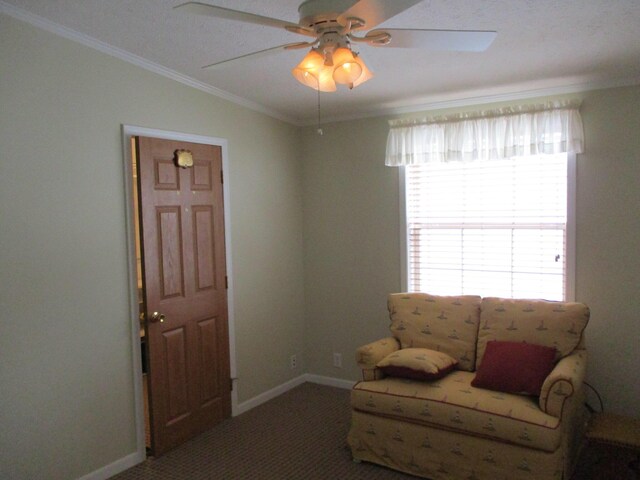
(334, 25)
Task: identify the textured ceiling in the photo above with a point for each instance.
(541, 45)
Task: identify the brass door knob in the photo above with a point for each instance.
(157, 317)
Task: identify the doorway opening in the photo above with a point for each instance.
(140, 330)
(140, 297)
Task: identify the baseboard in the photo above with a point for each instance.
(285, 387)
(330, 381)
(270, 394)
(116, 467)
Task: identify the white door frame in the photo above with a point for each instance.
(129, 131)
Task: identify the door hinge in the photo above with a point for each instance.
(226, 282)
(231, 384)
(221, 177)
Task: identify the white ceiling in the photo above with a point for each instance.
(542, 46)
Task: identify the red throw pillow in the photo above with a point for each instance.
(514, 367)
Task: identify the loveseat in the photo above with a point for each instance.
(433, 405)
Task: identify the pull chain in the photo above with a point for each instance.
(319, 130)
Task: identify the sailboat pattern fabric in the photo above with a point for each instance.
(452, 403)
(442, 323)
(562, 382)
(447, 429)
(417, 363)
(440, 454)
(541, 322)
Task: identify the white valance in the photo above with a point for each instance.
(507, 132)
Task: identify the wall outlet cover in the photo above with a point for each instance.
(337, 360)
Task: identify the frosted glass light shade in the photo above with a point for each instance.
(326, 80)
(312, 61)
(312, 72)
(322, 81)
(366, 73)
(305, 77)
(346, 69)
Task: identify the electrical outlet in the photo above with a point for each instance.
(337, 360)
(293, 362)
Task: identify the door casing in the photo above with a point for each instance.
(129, 131)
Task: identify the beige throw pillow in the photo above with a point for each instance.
(417, 363)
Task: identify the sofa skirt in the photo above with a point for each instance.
(438, 454)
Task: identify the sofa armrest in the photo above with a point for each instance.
(563, 381)
(367, 356)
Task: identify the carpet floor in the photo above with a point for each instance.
(301, 435)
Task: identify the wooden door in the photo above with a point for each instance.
(184, 278)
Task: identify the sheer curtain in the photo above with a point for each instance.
(487, 135)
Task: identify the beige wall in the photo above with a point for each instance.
(352, 241)
(66, 387)
(608, 250)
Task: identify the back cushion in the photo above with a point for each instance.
(445, 324)
(540, 322)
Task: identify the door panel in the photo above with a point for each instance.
(166, 174)
(202, 176)
(170, 259)
(208, 343)
(204, 247)
(175, 366)
(184, 271)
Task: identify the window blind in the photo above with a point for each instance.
(494, 228)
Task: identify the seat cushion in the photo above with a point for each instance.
(446, 324)
(453, 404)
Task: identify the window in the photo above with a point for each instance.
(491, 228)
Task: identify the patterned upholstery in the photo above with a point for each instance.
(447, 324)
(562, 382)
(369, 355)
(552, 324)
(454, 404)
(417, 363)
(439, 454)
(447, 429)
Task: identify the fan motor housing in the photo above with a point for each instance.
(320, 13)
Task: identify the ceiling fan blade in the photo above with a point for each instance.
(437, 40)
(228, 14)
(374, 12)
(259, 53)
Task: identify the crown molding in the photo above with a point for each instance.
(86, 40)
(472, 98)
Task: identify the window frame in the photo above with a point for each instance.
(569, 293)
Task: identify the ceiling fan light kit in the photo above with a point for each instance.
(331, 23)
(322, 69)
